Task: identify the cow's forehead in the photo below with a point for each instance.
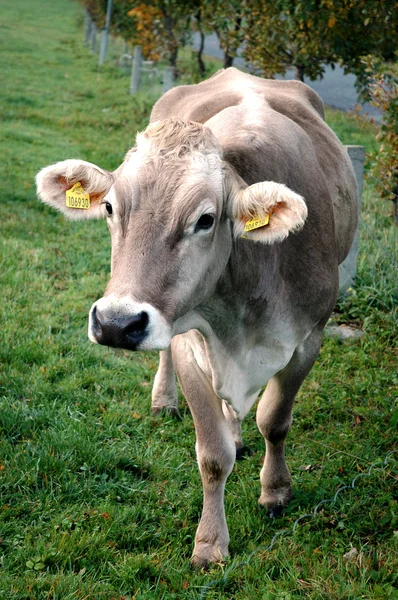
(169, 184)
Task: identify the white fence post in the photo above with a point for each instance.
(348, 269)
(168, 79)
(136, 70)
(93, 38)
(103, 46)
(105, 34)
(88, 29)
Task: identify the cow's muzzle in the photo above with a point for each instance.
(124, 323)
(122, 332)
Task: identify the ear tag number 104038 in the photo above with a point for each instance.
(77, 197)
(256, 223)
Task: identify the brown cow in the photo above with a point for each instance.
(228, 222)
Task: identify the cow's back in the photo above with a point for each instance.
(275, 130)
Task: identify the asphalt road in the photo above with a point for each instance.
(335, 89)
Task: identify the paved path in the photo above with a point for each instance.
(336, 89)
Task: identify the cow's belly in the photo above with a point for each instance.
(238, 376)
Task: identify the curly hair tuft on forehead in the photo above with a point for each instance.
(175, 137)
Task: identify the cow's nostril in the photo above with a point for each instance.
(96, 319)
(137, 325)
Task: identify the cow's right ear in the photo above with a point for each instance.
(74, 187)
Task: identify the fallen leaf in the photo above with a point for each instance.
(309, 468)
(351, 555)
(357, 420)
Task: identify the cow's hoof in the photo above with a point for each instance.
(275, 502)
(201, 563)
(198, 562)
(168, 411)
(206, 555)
(242, 452)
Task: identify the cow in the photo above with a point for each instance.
(228, 219)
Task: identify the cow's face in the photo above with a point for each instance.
(172, 209)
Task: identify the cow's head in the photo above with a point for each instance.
(173, 208)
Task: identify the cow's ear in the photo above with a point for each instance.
(267, 212)
(74, 187)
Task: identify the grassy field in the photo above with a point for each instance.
(99, 499)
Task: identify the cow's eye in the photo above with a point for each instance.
(204, 222)
(108, 208)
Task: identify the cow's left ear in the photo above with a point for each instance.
(75, 187)
(267, 212)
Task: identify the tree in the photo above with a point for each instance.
(382, 91)
(363, 28)
(287, 33)
(168, 21)
(96, 9)
(148, 30)
(226, 18)
(309, 34)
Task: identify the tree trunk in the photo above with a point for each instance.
(395, 205)
(299, 72)
(201, 64)
(171, 41)
(228, 60)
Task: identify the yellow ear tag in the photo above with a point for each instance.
(256, 223)
(76, 197)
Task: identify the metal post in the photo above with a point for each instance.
(136, 70)
(348, 269)
(168, 79)
(88, 29)
(105, 34)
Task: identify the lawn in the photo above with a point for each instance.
(100, 499)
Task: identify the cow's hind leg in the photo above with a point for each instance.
(215, 450)
(274, 418)
(164, 391)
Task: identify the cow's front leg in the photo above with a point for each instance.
(215, 449)
(274, 418)
(164, 391)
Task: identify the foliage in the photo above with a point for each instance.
(308, 34)
(365, 28)
(163, 26)
(96, 9)
(382, 91)
(121, 24)
(100, 499)
(149, 32)
(226, 19)
(287, 33)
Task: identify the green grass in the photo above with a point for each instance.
(99, 499)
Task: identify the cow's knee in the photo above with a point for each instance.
(214, 469)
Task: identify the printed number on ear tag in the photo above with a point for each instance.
(256, 223)
(77, 197)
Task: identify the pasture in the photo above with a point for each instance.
(100, 499)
